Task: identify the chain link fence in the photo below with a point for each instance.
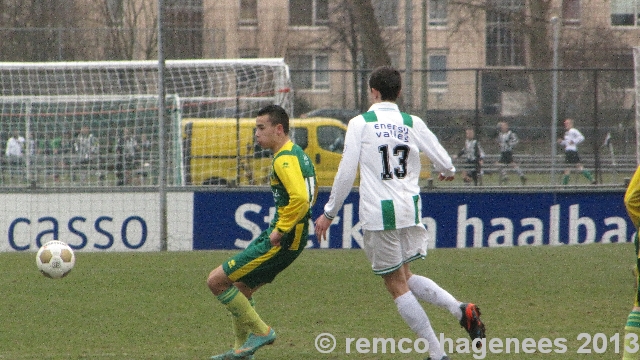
(600, 101)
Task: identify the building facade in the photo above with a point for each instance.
(438, 44)
(444, 42)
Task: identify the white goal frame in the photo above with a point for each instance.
(223, 88)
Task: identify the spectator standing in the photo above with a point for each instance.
(127, 149)
(144, 156)
(31, 145)
(86, 147)
(61, 147)
(52, 147)
(507, 139)
(15, 153)
(15, 148)
(473, 155)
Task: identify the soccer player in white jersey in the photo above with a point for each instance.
(573, 137)
(507, 139)
(385, 143)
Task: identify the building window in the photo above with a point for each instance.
(625, 12)
(248, 12)
(308, 12)
(331, 138)
(309, 71)
(504, 44)
(438, 12)
(386, 12)
(437, 71)
(183, 35)
(571, 12)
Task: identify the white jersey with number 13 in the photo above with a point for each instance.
(385, 143)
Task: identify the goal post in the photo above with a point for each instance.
(96, 123)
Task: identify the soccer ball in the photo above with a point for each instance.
(55, 259)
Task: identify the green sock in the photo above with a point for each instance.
(240, 307)
(587, 174)
(632, 327)
(241, 330)
(565, 180)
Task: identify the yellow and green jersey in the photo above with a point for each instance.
(293, 183)
(632, 203)
(632, 198)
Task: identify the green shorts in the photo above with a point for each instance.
(260, 262)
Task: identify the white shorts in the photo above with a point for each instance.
(388, 250)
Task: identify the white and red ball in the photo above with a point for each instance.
(55, 259)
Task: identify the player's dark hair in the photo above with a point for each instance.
(387, 81)
(277, 115)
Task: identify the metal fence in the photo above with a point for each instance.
(601, 102)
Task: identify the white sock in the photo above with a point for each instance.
(413, 314)
(427, 290)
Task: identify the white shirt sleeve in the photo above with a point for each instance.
(348, 168)
(578, 137)
(429, 144)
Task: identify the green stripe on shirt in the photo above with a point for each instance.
(370, 116)
(407, 119)
(388, 215)
(416, 198)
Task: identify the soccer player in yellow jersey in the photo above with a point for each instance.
(294, 188)
(632, 328)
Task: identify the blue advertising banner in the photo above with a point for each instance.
(230, 220)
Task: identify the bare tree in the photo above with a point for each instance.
(37, 30)
(354, 30)
(131, 28)
(344, 35)
(374, 49)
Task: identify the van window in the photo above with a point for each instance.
(300, 136)
(331, 138)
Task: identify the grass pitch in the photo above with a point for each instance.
(157, 306)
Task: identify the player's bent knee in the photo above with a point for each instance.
(218, 281)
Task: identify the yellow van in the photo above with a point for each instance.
(211, 154)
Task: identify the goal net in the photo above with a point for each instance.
(96, 123)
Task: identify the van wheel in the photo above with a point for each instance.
(215, 181)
